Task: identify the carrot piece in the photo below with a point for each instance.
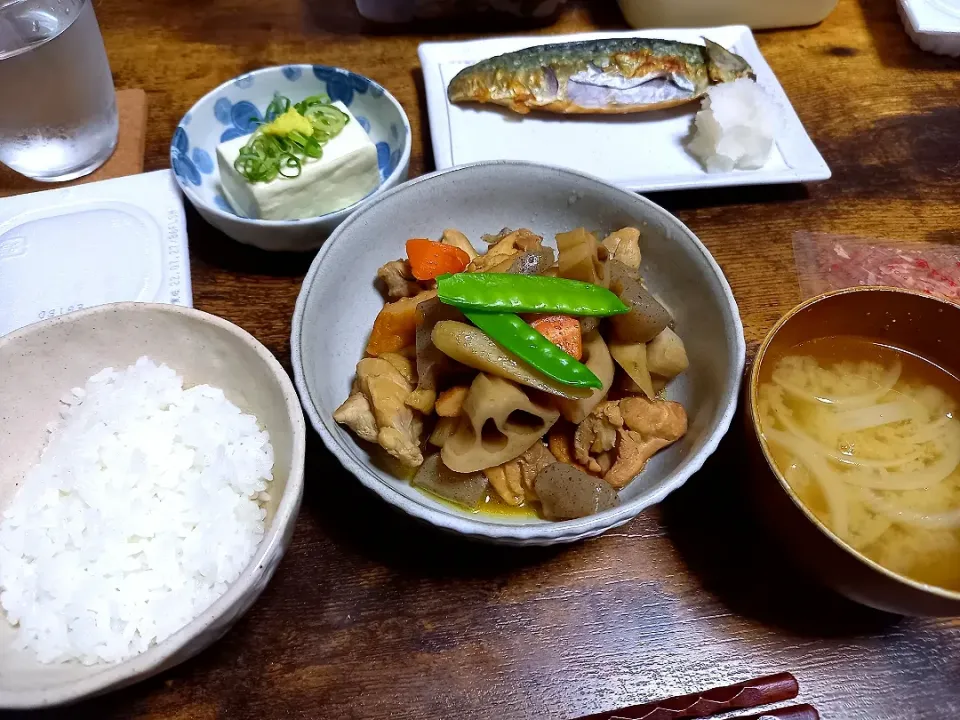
(428, 259)
(396, 325)
(563, 331)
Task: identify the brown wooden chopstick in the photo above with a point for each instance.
(740, 696)
(793, 712)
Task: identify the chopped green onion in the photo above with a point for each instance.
(267, 156)
(291, 164)
(278, 106)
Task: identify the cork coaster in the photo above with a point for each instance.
(127, 159)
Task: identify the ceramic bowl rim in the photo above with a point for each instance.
(335, 214)
(142, 666)
(755, 424)
(544, 533)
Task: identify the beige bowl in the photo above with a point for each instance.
(909, 320)
(43, 361)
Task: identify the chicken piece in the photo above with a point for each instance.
(560, 444)
(403, 364)
(398, 279)
(492, 261)
(624, 246)
(649, 426)
(450, 402)
(654, 418)
(356, 414)
(398, 426)
(633, 451)
(597, 434)
(501, 255)
(618, 438)
(459, 240)
(605, 460)
(514, 480)
(422, 399)
(526, 240)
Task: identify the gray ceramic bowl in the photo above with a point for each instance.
(338, 303)
(43, 361)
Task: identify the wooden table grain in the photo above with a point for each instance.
(374, 616)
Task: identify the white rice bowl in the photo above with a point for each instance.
(144, 507)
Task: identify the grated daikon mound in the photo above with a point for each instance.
(142, 510)
(735, 128)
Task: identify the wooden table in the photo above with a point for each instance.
(373, 616)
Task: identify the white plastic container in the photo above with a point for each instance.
(757, 14)
(75, 247)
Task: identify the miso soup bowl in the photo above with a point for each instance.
(909, 320)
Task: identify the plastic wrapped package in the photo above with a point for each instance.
(832, 262)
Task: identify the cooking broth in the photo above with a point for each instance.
(867, 436)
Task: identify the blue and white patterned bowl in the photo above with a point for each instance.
(238, 106)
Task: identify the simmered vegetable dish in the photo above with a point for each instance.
(524, 375)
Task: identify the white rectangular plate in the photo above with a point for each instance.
(643, 152)
(75, 247)
(934, 25)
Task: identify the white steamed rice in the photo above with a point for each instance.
(736, 127)
(143, 508)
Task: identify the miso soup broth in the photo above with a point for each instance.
(868, 437)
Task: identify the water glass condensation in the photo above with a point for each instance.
(58, 116)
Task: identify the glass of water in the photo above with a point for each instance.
(58, 115)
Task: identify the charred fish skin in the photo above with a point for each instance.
(618, 75)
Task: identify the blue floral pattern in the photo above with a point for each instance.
(364, 123)
(201, 158)
(341, 84)
(221, 110)
(242, 117)
(394, 162)
(383, 158)
(183, 166)
(292, 72)
(244, 81)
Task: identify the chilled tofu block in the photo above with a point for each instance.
(346, 173)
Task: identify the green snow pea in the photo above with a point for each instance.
(517, 337)
(506, 292)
